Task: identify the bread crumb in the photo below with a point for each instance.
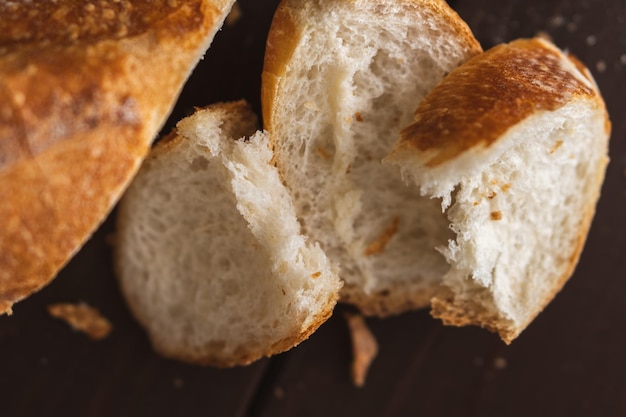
(544, 35)
(279, 393)
(358, 117)
(322, 152)
(496, 215)
(378, 246)
(316, 274)
(601, 66)
(82, 317)
(557, 21)
(492, 195)
(234, 15)
(591, 40)
(364, 347)
(178, 383)
(556, 146)
(500, 363)
(311, 106)
(622, 59)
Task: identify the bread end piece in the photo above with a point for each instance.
(340, 79)
(515, 143)
(209, 252)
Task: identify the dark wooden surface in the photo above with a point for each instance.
(570, 362)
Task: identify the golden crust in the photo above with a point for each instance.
(479, 101)
(80, 105)
(565, 87)
(285, 35)
(247, 355)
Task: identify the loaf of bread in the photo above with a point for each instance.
(84, 90)
(515, 144)
(341, 78)
(209, 251)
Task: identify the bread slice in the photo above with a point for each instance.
(84, 90)
(209, 252)
(515, 144)
(341, 78)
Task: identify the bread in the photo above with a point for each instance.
(515, 144)
(340, 79)
(209, 252)
(84, 88)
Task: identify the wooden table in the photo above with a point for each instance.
(570, 362)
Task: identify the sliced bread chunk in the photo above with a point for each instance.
(84, 89)
(209, 252)
(341, 78)
(515, 144)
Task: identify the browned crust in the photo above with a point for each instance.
(69, 144)
(456, 312)
(286, 32)
(282, 40)
(460, 312)
(483, 98)
(246, 355)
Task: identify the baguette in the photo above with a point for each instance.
(515, 144)
(209, 252)
(84, 90)
(340, 79)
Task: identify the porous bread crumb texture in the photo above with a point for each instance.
(519, 179)
(545, 184)
(354, 77)
(202, 259)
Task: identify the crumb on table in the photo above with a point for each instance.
(82, 317)
(364, 347)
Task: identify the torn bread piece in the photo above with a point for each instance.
(340, 80)
(209, 252)
(515, 144)
(84, 90)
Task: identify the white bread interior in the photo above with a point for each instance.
(521, 205)
(340, 80)
(209, 252)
